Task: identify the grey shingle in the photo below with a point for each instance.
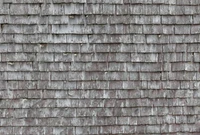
(182, 29)
(99, 66)
(168, 20)
(156, 19)
(196, 19)
(186, 2)
(195, 29)
(183, 19)
(20, 9)
(4, 9)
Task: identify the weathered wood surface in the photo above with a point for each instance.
(99, 67)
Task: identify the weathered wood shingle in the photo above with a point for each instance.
(99, 67)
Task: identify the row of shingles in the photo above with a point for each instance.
(96, 130)
(101, 19)
(101, 48)
(188, 75)
(171, 2)
(181, 12)
(123, 129)
(107, 9)
(99, 9)
(98, 29)
(69, 49)
(151, 121)
(98, 39)
(111, 107)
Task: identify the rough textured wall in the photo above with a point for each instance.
(99, 67)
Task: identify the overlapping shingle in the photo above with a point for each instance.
(99, 67)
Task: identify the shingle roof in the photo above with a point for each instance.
(99, 67)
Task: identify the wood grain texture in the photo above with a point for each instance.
(91, 67)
